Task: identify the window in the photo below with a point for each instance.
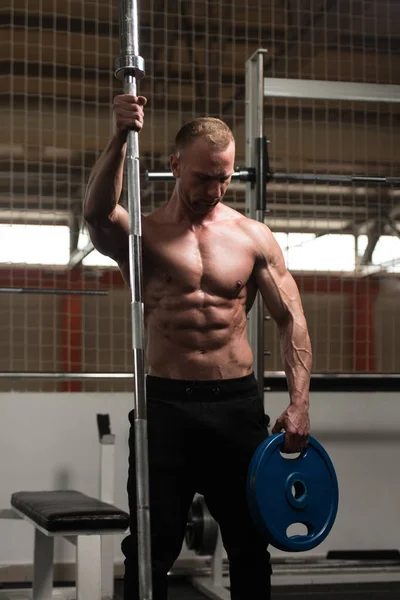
(50, 245)
(34, 244)
(336, 252)
(309, 252)
(386, 252)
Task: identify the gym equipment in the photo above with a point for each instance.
(284, 491)
(281, 491)
(79, 519)
(256, 175)
(249, 175)
(87, 523)
(130, 68)
(202, 530)
(53, 291)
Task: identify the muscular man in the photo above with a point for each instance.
(202, 265)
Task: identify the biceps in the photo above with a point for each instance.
(111, 236)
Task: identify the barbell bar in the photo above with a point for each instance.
(245, 175)
(52, 291)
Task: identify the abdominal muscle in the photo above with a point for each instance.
(197, 336)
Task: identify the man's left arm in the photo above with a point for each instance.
(282, 299)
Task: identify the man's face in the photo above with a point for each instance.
(203, 174)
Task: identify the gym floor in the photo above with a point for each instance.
(181, 589)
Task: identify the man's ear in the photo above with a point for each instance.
(175, 164)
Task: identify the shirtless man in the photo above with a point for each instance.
(202, 265)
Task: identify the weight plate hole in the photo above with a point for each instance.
(291, 456)
(299, 490)
(297, 529)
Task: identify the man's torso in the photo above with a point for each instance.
(197, 289)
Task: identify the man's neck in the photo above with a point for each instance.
(178, 211)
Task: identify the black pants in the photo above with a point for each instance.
(202, 435)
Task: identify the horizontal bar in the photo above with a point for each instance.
(338, 382)
(159, 176)
(99, 375)
(64, 376)
(53, 291)
(243, 175)
(315, 178)
(330, 90)
(320, 178)
(9, 513)
(281, 375)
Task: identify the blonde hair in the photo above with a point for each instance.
(216, 132)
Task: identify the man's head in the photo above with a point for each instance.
(203, 162)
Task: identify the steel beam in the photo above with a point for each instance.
(330, 90)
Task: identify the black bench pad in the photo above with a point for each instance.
(68, 510)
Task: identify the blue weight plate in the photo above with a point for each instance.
(283, 491)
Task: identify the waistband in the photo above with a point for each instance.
(201, 390)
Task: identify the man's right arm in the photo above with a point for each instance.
(107, 221)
